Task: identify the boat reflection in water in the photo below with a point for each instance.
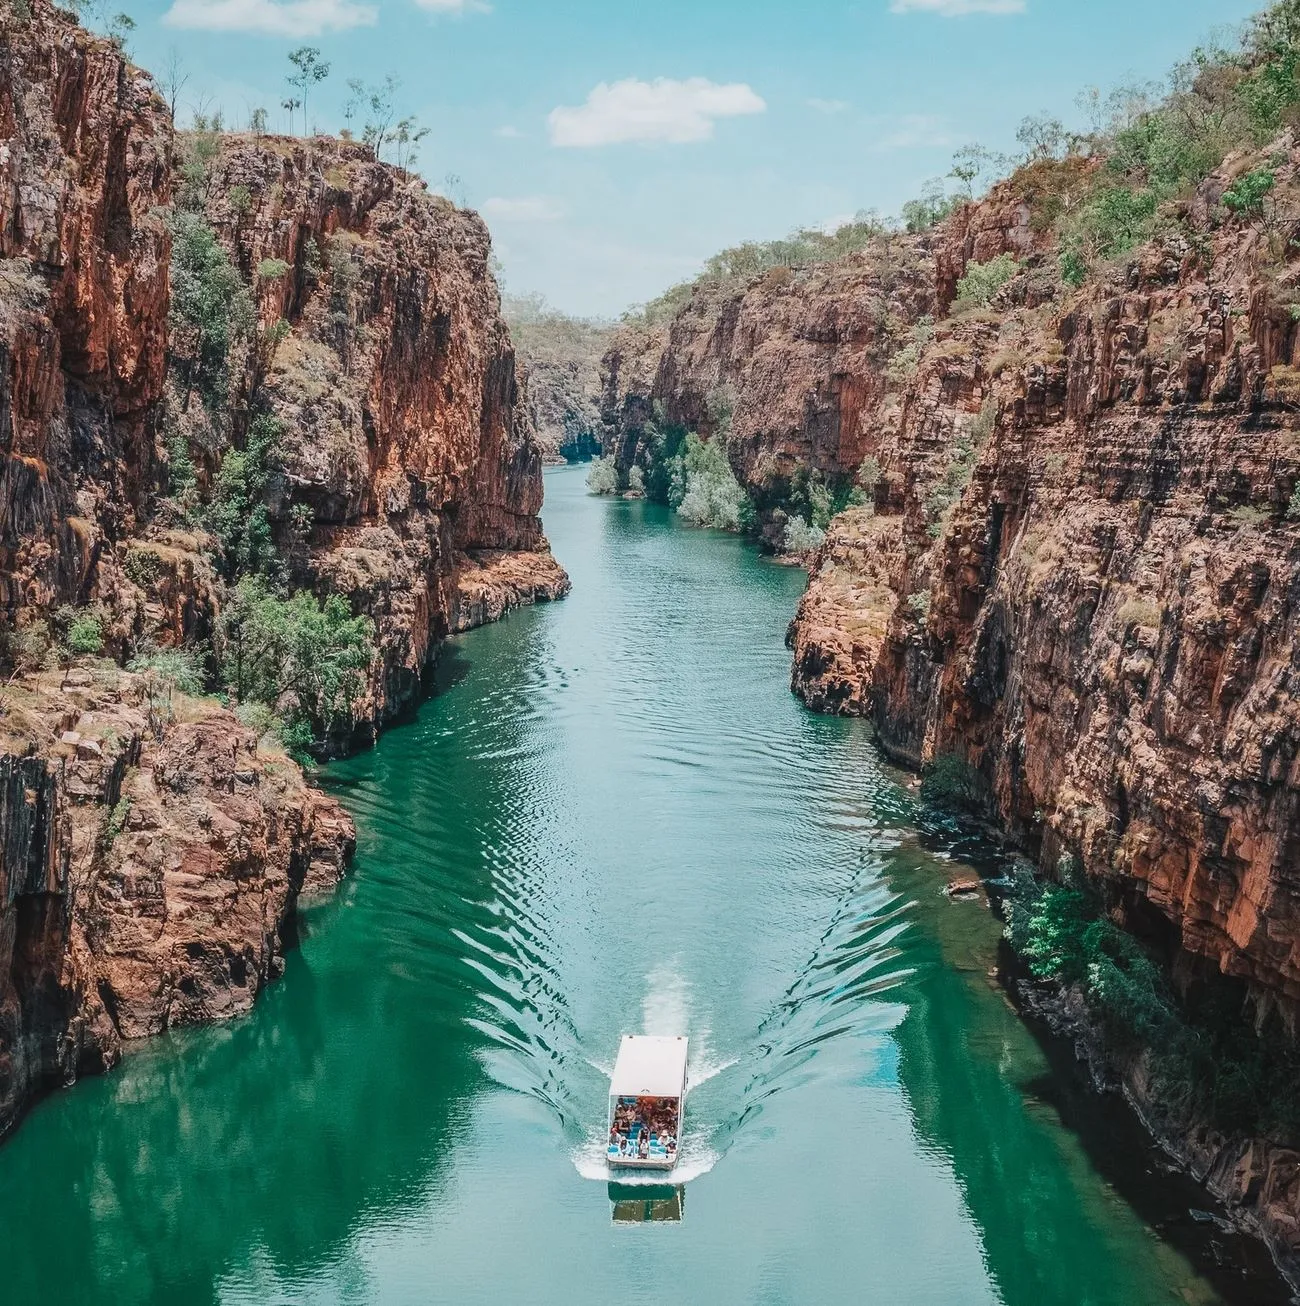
(648, 1203)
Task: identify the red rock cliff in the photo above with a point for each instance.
(1080, 569)
(407, 434)
(152, 853)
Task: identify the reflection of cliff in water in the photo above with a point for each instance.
(255, 1151)
(216, 1159)
(648, 1204)
(973, 1074)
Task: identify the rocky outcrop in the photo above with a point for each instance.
(147, 875)
(84, 167)
(1102, 620)
(406, 431)
(490, 585)
(152, 848)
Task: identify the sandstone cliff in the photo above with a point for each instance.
(152, 847)
(407, 435)
(562, 357)
(1077, 568)
(1080, 578)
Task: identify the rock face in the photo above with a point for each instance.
(406, 429)
(562, 357)
(1079, 571)
(153, 849)
(800, 359)
(84, 163)
(145, 881)
(1102, 619)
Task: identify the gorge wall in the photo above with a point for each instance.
(1077, 569)
(152, 846)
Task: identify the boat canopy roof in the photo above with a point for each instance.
(649, 1065)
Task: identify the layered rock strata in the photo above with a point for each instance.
(153, 849)
(1079, 567)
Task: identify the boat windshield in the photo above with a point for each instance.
(644, 1128)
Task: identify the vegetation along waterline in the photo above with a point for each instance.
(273, 433)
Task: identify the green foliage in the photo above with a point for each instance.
(210, 309)
(665, 480)
(1205, 1056)
(602, 478)
(117, 819)
(800, 537)
(961, 465)
(901, 368)
(1247, 514)
(182, 481)
(929, 208)
(983, 281)
(119, 29)
(176, 667)
(240, 199)
(28, 649)
(1245, 197)
(164, 672)
(950, 781)
(1074, 267)
(740, 264)
(238, 514)
(309, 69)
(272, 269)
(1293, 504)
(303, 659)
(709, 495)
(199, 150)
(84, 634)
(142, 565)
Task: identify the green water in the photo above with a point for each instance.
(613, 817)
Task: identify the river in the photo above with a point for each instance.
(614, 817)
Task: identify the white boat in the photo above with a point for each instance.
(647, 1102)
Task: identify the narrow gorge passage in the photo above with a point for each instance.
(612, 817)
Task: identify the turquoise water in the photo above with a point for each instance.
(613, 817)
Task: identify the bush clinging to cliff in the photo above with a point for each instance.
(238, 514)
(210, 310)
(1206, 1060)
(304, 659)
(602, 478)
(983, 280)
(708, 492)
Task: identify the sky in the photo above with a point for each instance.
(613, 145)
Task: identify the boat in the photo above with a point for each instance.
(647, 1102)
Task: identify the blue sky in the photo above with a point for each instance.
(719, 121)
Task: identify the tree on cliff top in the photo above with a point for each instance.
(309, 70)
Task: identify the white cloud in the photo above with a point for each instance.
(455, 6)
(508, 132)
(662, 110)
(957, 8)
(271, 17)
(529, 208)
(909, 131)
(829, 106)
